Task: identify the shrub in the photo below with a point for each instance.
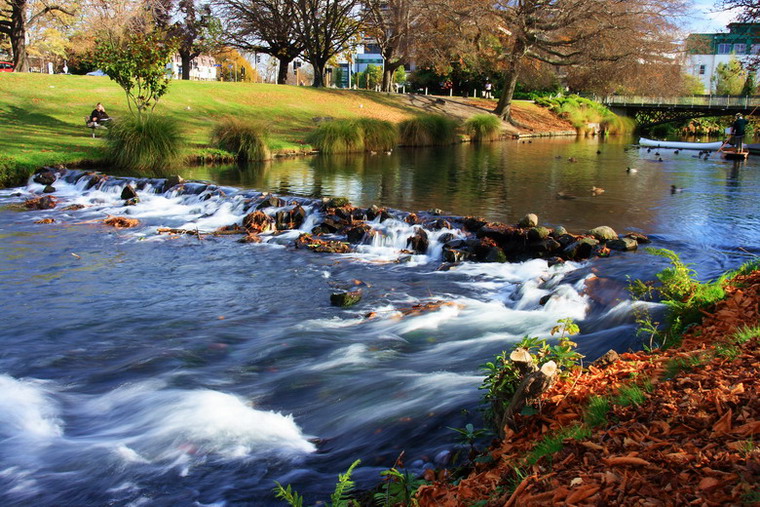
(147, 145)
(378, 135)
(427, 130)
(337, 136)
(246, 141)
(483, 127)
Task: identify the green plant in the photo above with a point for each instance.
(502, 376)
(339, 498)
(483, 127)
(681, 364)
(247, 141)
(146, 145)
(398, 488)
(596, 412)
(745, 334)
(290, 496)
(427, 130)
(137, 62)
(630, 395)
(549, 445)
(729, 352)
(469, 435)
(337, 136)
(378, 135)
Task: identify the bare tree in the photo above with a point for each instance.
(264, 26)
(326, 27)
(392, 23)
(18, 16)
(748, 11)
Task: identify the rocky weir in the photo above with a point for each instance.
(334, 225)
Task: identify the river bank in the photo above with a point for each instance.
(682, 421)
(43, 116)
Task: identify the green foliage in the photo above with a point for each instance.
(247, 140)
(729, 352)
(553, 443)
(343, 488)
(137, 62)
(746, 334)
(398, 488)
(370, 78)
(399, 76)
(337, 136)
(692, 85)
(347, 136)
(581, 111)
(469, 434)
(483, 127)
(339, 498)
(378, 135)
(729, 77)
(630, 395)
(290, 496)
(684, 296)
(502, 378)
(147, 145)
(596, 411)
(681, 364)
(427, 130)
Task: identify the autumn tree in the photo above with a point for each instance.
(18, 16)
(264, 26)
(560, 33)
(325, 28)
(393, 25)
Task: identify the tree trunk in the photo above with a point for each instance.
(319, 74)
(503, 108)
(185, 60)
(388, 73)
(282, 70)
(18, 35)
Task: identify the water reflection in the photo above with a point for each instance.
(502, 181)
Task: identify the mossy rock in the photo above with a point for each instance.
(603, 233)
(345, 299)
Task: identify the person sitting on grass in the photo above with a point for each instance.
(98, 117)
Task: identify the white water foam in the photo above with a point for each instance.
(28, 411)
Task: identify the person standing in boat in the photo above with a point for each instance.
(737, 131)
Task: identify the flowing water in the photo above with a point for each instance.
(139, 368)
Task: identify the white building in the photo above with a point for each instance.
(203, 68)
(705, 51)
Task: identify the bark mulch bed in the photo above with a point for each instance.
(692, 441)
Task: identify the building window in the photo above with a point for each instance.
(724, 49)
(755, 49)
(740, 49)
(702, 69)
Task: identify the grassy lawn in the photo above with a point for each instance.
(42, 116)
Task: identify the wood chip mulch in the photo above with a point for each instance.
(693, 441)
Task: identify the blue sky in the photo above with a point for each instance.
(707, 18)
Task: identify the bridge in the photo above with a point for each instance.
(651, 111)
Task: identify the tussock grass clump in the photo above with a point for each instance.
(596, 411)
(348, 136)
(245, 140)
(147, 145)
(427, 130)
(378, 135)
(581, 111)
(483, 127)
(337, 136)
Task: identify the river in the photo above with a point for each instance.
(139, 368)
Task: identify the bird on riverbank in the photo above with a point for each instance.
(564, 196)
(631, 170)
(572, 159)
(597, 191)
(659, 159)
(675, 190)
(676, 152)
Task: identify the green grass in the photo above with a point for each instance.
(746, 334)
(596, 412)
(42, 116)
(337, 136)
(246, 140)
(630, 395)
(378, 135)
(145, 146)
(427, 130)
(483, 127)
(682, 364)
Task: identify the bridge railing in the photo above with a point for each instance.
(701, 101)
